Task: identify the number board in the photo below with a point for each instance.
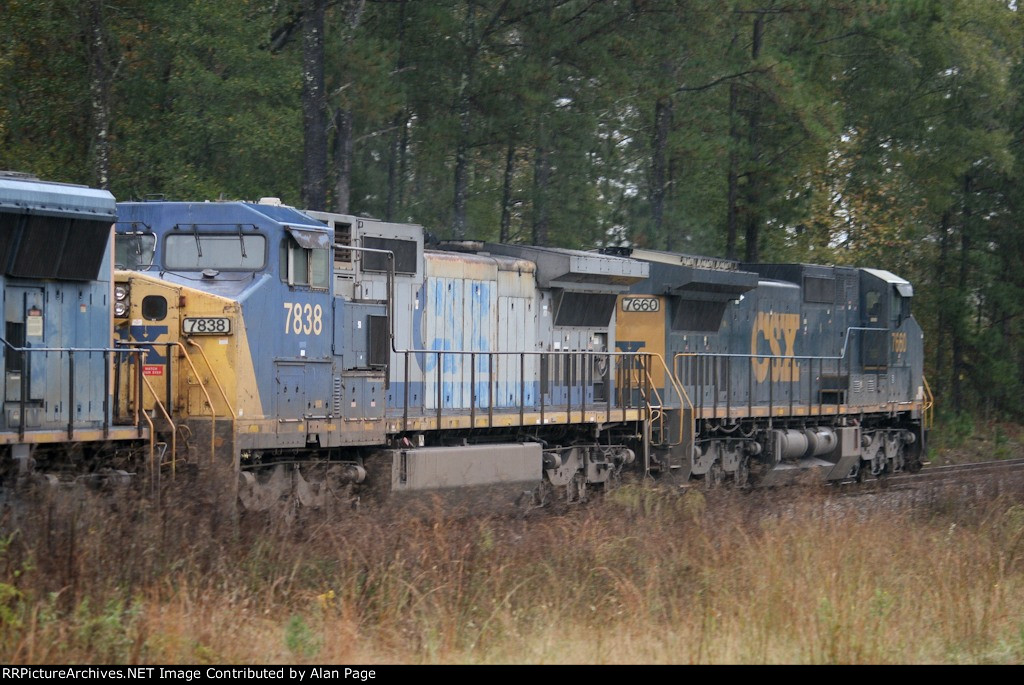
(640, 304)
(206, 325)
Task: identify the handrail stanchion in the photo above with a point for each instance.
(106, 393)
(439, 391)
(522, 388)
(472, 389)
(405, 399)
(25, 361)
(71, 394)
(545, 372)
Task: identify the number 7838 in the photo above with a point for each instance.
(303, 318)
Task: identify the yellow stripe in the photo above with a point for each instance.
(805, 410)
(78, 435)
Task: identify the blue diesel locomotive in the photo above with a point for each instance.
(778, 367)
(57, 353)
(312, 352)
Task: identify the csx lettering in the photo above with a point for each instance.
(899, 343)
(779, 331)
(303, 318)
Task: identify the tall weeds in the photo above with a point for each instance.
(644, 576)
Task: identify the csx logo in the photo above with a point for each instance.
(779, 331)
(145, 334)
(899, 343)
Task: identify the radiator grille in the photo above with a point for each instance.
(336, 397)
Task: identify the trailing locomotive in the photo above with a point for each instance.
(775, 367)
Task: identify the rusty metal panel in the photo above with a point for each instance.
(461, 265)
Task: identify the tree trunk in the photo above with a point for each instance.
(942, 286)
(670, 192)
(732, 211)
(344, 136)
(461, 169)
(506, 193)
(753, 213)
(541, 178)
(403, 162)
(314, 107)
(960, 324)
(99, 93)
(342, 160)
(399, 140)
(659, 182)
(396, 164)
(464, 114)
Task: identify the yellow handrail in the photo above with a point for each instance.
(209, 400)
(655, 412)
(152, 445)
(929, 404)
(680, 390)
(174, 429)
(216, 380)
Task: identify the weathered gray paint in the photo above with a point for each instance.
(438, 468)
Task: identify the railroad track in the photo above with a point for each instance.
(952, 472)
(963, 486)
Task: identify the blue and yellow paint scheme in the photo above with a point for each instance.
(238, 319)
(294, 331)
(776, 350)
(57, 354)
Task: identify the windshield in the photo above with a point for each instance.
(231, 252)
(134, 251)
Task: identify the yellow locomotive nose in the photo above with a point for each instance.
(184, 373)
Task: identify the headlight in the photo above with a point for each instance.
(120, 309)
(120, 292)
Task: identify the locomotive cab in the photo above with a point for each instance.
(885, 298)
(232, 304)
(885, 319)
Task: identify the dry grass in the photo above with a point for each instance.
(646, 576)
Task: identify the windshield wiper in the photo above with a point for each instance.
(241, 240)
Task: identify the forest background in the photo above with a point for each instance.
(882, 133)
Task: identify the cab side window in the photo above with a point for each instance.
(873, 303)
(304, 267)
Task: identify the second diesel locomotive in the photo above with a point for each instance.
(316, 352)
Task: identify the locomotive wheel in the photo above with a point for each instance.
(743, 473)
(614, 480)
(715, 476)
(578, 488)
